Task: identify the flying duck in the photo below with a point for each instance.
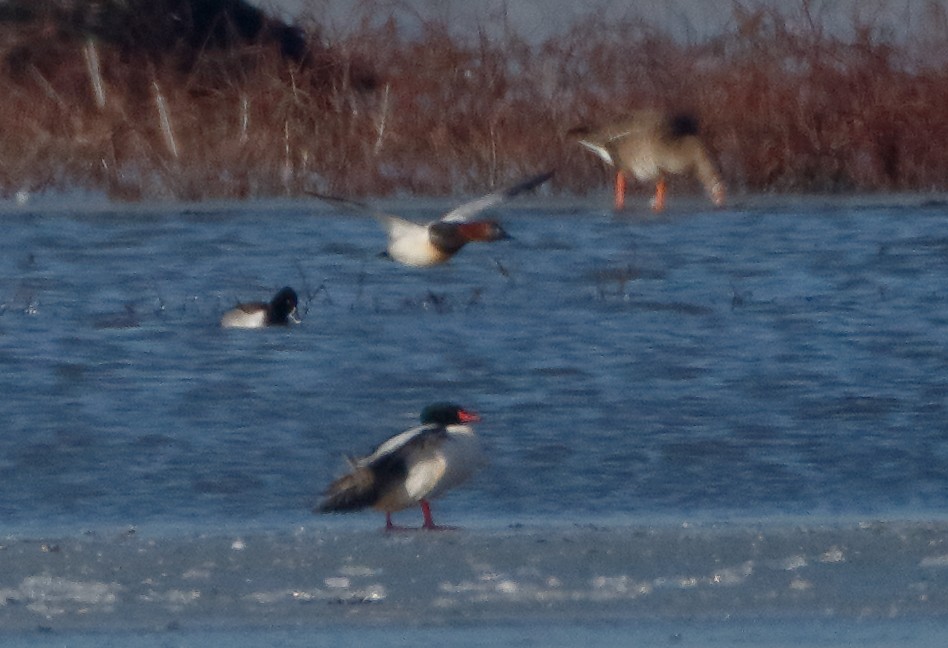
(412, 467)
(423, 245)
(651, 144)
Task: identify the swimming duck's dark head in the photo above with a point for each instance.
(283, 306)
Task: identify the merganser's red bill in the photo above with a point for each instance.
(468, 417)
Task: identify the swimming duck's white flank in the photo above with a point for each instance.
(422, 245)
(650, 144)
(279, 312)
(412, 467)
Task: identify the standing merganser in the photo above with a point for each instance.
(412, 467)
(279, 312)
(650, 144)
(422, 245)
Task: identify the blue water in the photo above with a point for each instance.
(712, 428)
(780, 359)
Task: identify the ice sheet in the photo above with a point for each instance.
(323, 579)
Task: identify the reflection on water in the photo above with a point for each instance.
(758, 362)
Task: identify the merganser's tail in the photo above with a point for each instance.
(356, 490)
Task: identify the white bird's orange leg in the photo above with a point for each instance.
(620, 190)
(658, 202)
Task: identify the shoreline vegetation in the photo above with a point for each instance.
(208, 99)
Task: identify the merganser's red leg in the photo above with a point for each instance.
(426, 512)
(429, 521)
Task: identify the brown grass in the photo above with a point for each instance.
(784, 105)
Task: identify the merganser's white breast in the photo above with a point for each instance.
(452, 463)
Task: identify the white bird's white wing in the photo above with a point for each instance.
(470, 209)
(599, 150)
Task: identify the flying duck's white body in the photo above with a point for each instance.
(410, 243)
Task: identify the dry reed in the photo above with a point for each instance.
(785, 106)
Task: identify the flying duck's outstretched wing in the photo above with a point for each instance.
(358, 207)
(470, 209)
(409, 242)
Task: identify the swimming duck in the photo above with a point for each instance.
(650, 144)
(279, 312)
(412, 467)
(423, 245)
